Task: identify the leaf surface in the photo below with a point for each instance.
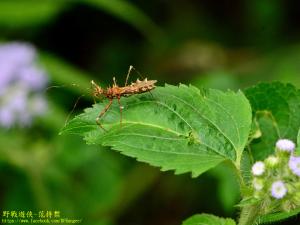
(276, 112)
(207, 219)
(275, 217)
(180, 128)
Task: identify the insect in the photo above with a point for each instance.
(116, 92)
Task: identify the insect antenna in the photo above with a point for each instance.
(61, 86)
(65, 86)
(78, 88)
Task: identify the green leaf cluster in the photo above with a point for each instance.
(186, 129)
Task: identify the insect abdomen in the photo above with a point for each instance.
(139, 87)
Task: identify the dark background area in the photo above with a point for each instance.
(224, 45)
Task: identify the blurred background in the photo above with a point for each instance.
(49, 52)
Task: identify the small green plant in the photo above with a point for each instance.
(187, 129)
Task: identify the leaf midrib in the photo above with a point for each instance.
(164, 129)
(152, 150)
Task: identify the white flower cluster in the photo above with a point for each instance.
(278, 176)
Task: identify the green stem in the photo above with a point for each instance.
(237, 170)
(249, 215)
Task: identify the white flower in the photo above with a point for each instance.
(258, 168)
(285, 145)
(278, 189)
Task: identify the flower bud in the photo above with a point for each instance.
(272, 161)
(258, 184)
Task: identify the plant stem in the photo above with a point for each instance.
(237, 169)
(249, 215)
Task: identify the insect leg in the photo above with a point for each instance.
(102, 113)
(121, 109)
(128, 73)
(150, 94)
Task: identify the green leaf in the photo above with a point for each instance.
(275, 217)
(207, 219)
(248, 201)
(176, 128)
(276, 111)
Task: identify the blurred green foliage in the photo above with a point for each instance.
(19, 13)
(225, 45)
